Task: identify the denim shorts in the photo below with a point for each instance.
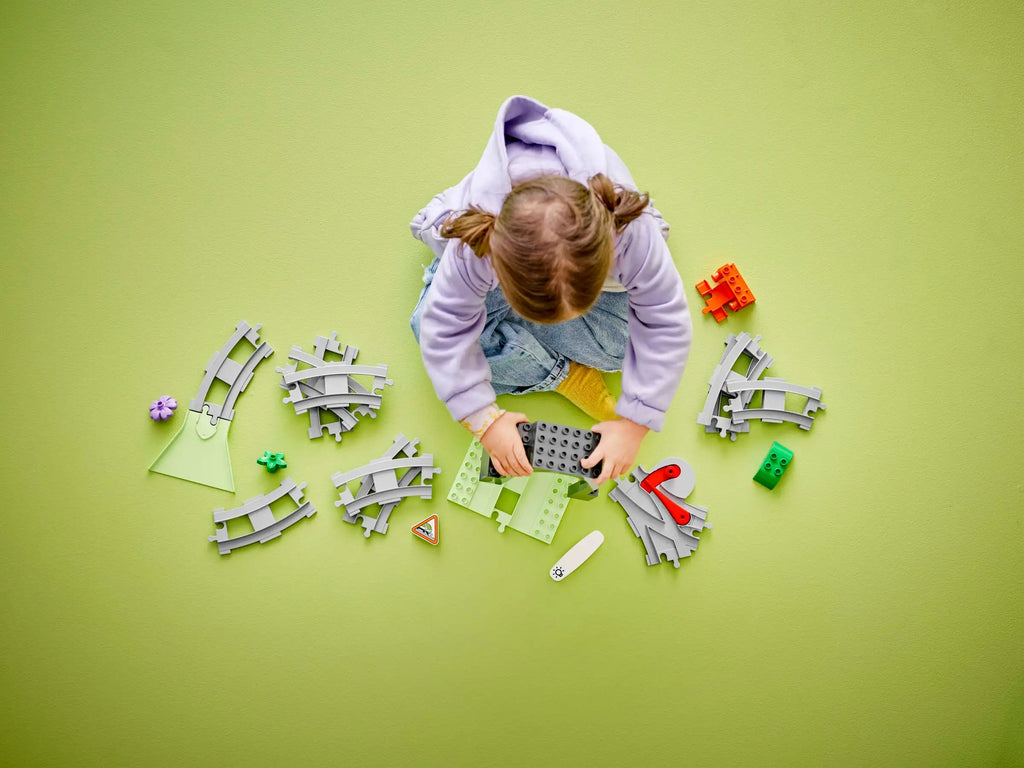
(533, 357)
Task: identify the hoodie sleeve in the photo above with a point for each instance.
(426, 225)
(659, 324)
(453, 318)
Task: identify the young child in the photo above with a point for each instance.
(550, 268)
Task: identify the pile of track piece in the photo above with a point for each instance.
(728, 410)
(385, 482)
(320, 387)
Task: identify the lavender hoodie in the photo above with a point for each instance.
(529, 139)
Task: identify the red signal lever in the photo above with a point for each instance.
(656, 478)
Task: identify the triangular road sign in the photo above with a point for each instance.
(428, 530)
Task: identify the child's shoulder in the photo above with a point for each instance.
(642, 233)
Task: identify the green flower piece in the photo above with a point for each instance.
(272, 461)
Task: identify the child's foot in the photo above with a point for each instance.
(584, 387)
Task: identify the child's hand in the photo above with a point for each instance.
(620, 441)
(505, 447)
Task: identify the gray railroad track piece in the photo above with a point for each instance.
(554, 448)
(346, 422)
(332, 387)
(336, 373)
(727, 407)
(265, 526)
(335, 428)
(385, 481)
(651, 522)
(771, 386)
(236, 375)
(342, 378)
(773, 410)
(735, 347)
(330, 401)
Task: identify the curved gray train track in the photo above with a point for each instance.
(735, 347)
(774, 417)
(330, 402)
(265, 526)
(237, 376)
(335, 369)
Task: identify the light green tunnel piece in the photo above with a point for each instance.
(541, 503)
(199, 453)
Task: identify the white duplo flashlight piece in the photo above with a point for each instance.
(575, 557)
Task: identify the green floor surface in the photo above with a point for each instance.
(168, 169)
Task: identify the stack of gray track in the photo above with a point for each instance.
(650, 519)
(264, 525)
(728, 410)
(331, 387)
(385, 482)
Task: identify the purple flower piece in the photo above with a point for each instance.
(163, 408)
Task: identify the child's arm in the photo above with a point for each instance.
(659, 325)
(659, 342)
(453, 318)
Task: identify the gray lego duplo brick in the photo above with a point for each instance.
(558, 448)
(554, 448)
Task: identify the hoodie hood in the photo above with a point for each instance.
(453, 307)
(575, 142)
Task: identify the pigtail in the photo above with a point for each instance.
(473, 227)
(624, 204)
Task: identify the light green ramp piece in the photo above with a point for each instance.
(199, 452)
(542, 497)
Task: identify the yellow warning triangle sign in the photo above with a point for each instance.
(428, 530)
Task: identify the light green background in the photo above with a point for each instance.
(170, 169)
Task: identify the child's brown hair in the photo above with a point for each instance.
(553, 242)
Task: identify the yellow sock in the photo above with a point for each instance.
(584, 387)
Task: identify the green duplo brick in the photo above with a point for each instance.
(774, 465)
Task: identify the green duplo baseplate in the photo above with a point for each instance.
(540, 499)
